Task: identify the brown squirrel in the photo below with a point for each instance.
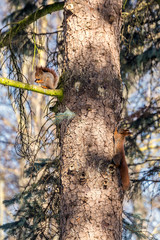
(119, 158)
(46, 77)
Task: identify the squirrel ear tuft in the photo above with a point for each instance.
(115, 131)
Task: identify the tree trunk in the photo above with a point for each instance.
(91, 200)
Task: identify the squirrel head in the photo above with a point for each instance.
(39, 69)
(38, 74)
(123, 132)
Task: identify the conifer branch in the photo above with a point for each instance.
(139, 9)
(8, 82)
(7, 38)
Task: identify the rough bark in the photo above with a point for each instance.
(91, 201)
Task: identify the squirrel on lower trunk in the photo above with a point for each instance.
(46, 77)
(119, 158)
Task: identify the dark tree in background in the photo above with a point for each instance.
(70, 188)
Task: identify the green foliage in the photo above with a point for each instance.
(38, 213)
(139, 53)
(14, 200)
(8, 36)
(139, 39)
(133, 226)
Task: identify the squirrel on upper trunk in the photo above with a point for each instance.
(46, 77)
(119, 158)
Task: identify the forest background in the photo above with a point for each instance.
(28, 142)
